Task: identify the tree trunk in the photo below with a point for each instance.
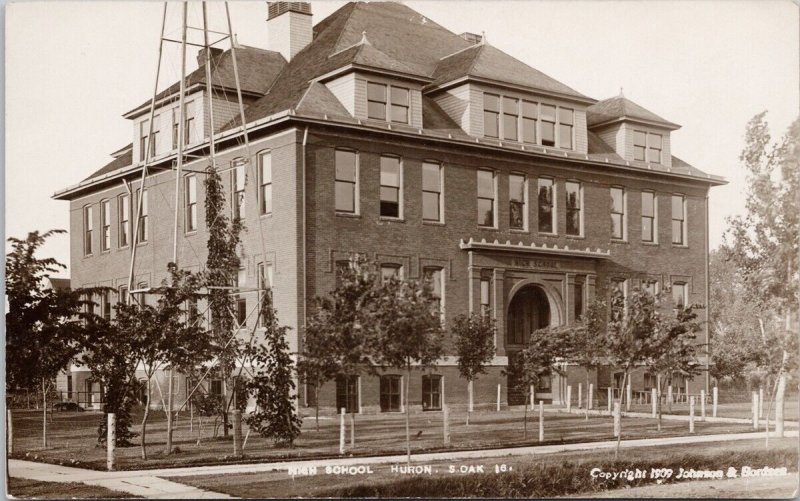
(225, 402)
(44, 420)
(658, 405)
(144, 422)
(408, 407)
(622, 394)
(170, 390)
(588, 394)
(470, 391)
(525, 418)
(316, 404)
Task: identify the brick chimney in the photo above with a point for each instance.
(201, 56)
(289, 27)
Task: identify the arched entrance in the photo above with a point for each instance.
(528, 311)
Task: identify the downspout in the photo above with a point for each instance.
(708, 306)
(305, 255)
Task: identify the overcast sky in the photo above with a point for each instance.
(73, 68)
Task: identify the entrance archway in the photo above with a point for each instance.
(528, 311)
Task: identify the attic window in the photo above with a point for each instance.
(382, 97)
(647, 146)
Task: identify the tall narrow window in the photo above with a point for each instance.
(431, 192)
(264, 282)
(390, 393)
(175, 127)
(241, 312)
(141, 297)
(510, 118)
(400, 105)
(485, 304)
(124, 211)
(654, 148)
(238, 178)
(617, 213)
(491, 115)
(486, 198)
(143, 218)
(347, 393)
(565, 121)
(578, 298)
(431, 392)
(376, 101)
(648, 216)
(265, 182)
(88, 229)
(517, 198)
(144, 129)
(346, 181)
(154, 142)
(105, 219)
(574, 206)
(529, 115)
(548, 123)
(187, 130)
(391, 187)
(639, 145)
(678, 220)
(546, 212)
(123, 294)
(433, 279)
(190, 198)
(192, 312)
(679, 295)
(105, 305)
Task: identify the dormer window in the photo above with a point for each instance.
(491, 115)
(565, 121)
(529, 114)
(510, 118)
(382, 97)
(654, 148)
(647, 147)
(548, 117)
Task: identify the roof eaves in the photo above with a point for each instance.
(469, 78)
(663, 125)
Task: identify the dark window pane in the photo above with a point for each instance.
(578, 299)
(485, 212)
(548, 134)
(573, 196)
(347, 393)
(517, 215)
(573, 222)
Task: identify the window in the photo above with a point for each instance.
(376, 101)
(153, 142)
(491, 115)
(680, 295)
(265, 183)
(548, 119)
(187, 130)
(639, 145)
(389, 271)
(621, 285)
(69, 387)
(124, 211)
(431, 392)
(678, 220)
(529, 114)
(190, 198)
(434, 279)
(485, 304)
(545, 383)
(617, 213)
(654, 148)
(346, 181)
(123, 295)
(105, 219)
(88, 229)
(216, 388)
(649, 382)
(175, 126)
(510, 118)
(648, 216)
(141, 297)
(105, 305)
(486, 197)
(400, 105)
(390, 393)
(144, 129)
(241, 312)
(238, 179)
(347, 393)
(565, 121)
(143, 229)
(546, 209)
(574, 206)
(431, 192)
(651, 287)
(517, 198)
(578, 298)
(264, 282)
(391, 187)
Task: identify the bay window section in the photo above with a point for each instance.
(431, 192)
(574, 208)
(517, 195)
(391, 187)
(617, 213)
(546, 209)
(486, 198)
(491, 115)
(346, 182)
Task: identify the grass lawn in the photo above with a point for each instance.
(24, 488)
(529, 476)
(73, 437)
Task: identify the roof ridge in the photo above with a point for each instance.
(459, 51)
(346, 20)
(481, 46)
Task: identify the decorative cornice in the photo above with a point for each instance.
(533, 248)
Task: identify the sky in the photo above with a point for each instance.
(73, 69)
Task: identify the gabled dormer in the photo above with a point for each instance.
(493, 95)
(635, 133)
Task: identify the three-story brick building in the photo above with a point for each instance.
(378, 131)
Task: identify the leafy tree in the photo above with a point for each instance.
(272, 383)
(43, 325)
(409, 330)
(317, 364)
(585, 340)
(474, 340)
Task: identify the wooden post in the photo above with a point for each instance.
(533, 403)
(617, 417)
(111, 441)
(402, 395)
(760, 402)
(691, 414)
(628, 397)
(498, 398)
(591, 396)
(580, 395)
(702, 405)
(754, 406)
(541, 420)
(715, 399)
(469, 393)
(237, 433)
(446, 424)
(610, 399)
(569, 398)
(341, 430)
(687, 390)
(352, 431)
(654, 402)
(669, 394)
(778, 406)
(10, 433)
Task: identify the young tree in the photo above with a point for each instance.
(474, 339)
(43, 325)
(317, 364)
(585, 340)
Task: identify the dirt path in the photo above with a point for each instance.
(759, 487)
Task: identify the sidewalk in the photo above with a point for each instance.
(146, 482)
